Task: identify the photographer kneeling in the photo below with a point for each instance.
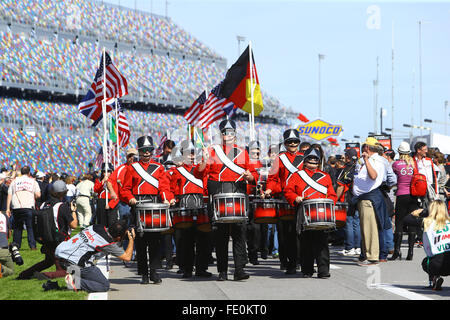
(94, 242)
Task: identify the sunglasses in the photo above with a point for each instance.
(228, 133)
(146, 149)
(292, 142)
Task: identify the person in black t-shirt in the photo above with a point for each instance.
(67, 220)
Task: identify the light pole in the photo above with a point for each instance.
(446, 115)
(239, 39)
(321, 57)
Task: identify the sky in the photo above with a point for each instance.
(288, 36)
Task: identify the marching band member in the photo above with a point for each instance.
(147, 180)
(193, 244)
(106, 212)
(311, 183)
(285, 165)
(228, 167)
(255, 231)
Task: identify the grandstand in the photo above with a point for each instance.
(48, 59)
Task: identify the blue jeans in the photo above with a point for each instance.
(22, 216)
(389, 238)
(385, 238)
(273, 230)
(352, 232)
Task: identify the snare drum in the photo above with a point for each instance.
(265, 210)
(182, 218)
(230, 207)
(319, 214)
(153, 217)
(340, 210)
(285, 211)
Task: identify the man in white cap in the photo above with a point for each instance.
(369, 175)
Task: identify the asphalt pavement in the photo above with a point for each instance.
(392, 280)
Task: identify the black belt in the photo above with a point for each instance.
(82, 195)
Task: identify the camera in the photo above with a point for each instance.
(15, 254)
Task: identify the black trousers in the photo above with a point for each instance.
(106, 217)
(404, 205)
(438, 265)
(288, 243)
(257, 236)
(314, 245)
(221, 236)
(149, 243)
(194, 248)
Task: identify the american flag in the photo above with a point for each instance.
(116, 86)
(215, 107)
(191, 115)
(160, 148)
(124, 129)
(111, 154)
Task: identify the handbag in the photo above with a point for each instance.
(419, 183)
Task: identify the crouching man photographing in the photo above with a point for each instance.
(78, 253)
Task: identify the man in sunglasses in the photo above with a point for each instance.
(227, 168)
(305, 184)
(256, 232)
(284, 166)
(147, 180)
(193, 244)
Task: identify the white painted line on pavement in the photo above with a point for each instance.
(332, 266)
(101, 264)
(400, 291)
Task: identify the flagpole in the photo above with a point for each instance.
(105, 153)
(252, 89)
(117, 136)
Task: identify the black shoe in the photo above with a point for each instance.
(51, 285)
(254, 262)
(291, 271)
(155, 277)
(144, 279)
(241, 275)
(324, 276)
(437, 283)
(169, 265)
(187, 274)
(180, 271)
(305, 275)
(264, 255)
(222, 276)
(204, 274)
(396, 255)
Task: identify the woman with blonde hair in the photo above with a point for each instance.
(436, 242)
(405, 203)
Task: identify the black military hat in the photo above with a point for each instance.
(187, 145)
(312, 152)
(254, 145)
(291, 134)
(110, 167)
(145, 142)
(227, 124)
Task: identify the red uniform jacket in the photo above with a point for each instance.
(135, 184)
(180, 184)
(100, 189)
(116, 179)
(298, 186)
(279, 174)
(252, 185)
(216, 170)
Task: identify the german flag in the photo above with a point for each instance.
(237, 85)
